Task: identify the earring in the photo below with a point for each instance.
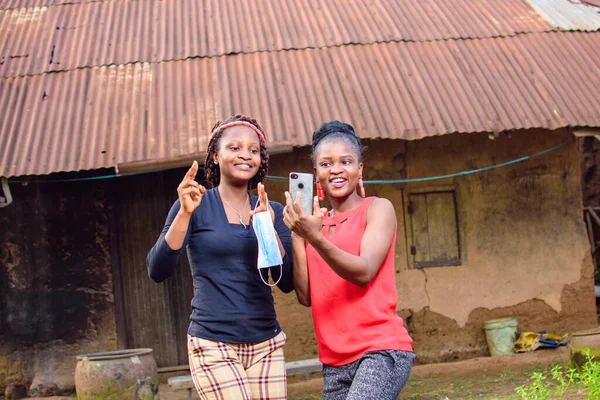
(320, 191)
(361, 187)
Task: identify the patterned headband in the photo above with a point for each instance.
(240, 123)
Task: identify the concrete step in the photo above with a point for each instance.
(291, 368)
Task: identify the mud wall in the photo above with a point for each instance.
(524, 248)
(523, 253)
(56, 294)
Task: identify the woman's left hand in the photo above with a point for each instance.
(263, 203)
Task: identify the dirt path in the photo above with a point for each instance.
(480, 378)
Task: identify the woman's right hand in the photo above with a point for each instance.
(304, 225)
(190, 192)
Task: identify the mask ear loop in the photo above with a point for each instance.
(260, 269)
(267, 283)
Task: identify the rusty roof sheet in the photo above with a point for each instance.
(116, 115)
(14, 4)
(44, 37)
(567, 15)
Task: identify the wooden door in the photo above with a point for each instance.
(434, 229)
(149, 314)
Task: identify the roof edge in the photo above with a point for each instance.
(161, 164)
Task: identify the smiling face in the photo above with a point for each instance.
(337, 167)
(238, 155)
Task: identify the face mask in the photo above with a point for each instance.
(268, 249)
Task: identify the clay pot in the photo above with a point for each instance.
(123, 375)
(15, 392)
(579, 342)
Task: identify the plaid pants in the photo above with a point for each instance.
(223, 371)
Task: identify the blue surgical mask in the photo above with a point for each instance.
(268, 248)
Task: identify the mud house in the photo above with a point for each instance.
(104, 103)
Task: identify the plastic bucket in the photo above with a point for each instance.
(582, 342)
(500, 335)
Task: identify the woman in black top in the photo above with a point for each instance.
(234, 339)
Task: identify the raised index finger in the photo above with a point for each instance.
(288, 199)
(290, 205)
(191, 174)
(262, 194)
(298, 204)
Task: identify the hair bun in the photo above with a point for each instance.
(328, 128)
(336, 130)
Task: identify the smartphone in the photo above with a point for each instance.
(302, 183)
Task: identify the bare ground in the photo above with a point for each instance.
(478, 378)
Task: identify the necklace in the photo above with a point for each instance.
(235, 211)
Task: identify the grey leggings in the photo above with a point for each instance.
(377, 375)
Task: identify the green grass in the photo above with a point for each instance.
(557, 382)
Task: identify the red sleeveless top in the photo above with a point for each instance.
(351, 320)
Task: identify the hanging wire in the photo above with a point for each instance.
(372, 182)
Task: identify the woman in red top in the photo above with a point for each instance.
(344, 269)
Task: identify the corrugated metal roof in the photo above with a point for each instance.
(40, 39)
(566, 15)
(15, 4)
(84, 119)
(102, 117)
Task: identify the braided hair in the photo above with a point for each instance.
(335, 130)
(212, 172)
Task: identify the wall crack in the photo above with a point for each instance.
(426, 292)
